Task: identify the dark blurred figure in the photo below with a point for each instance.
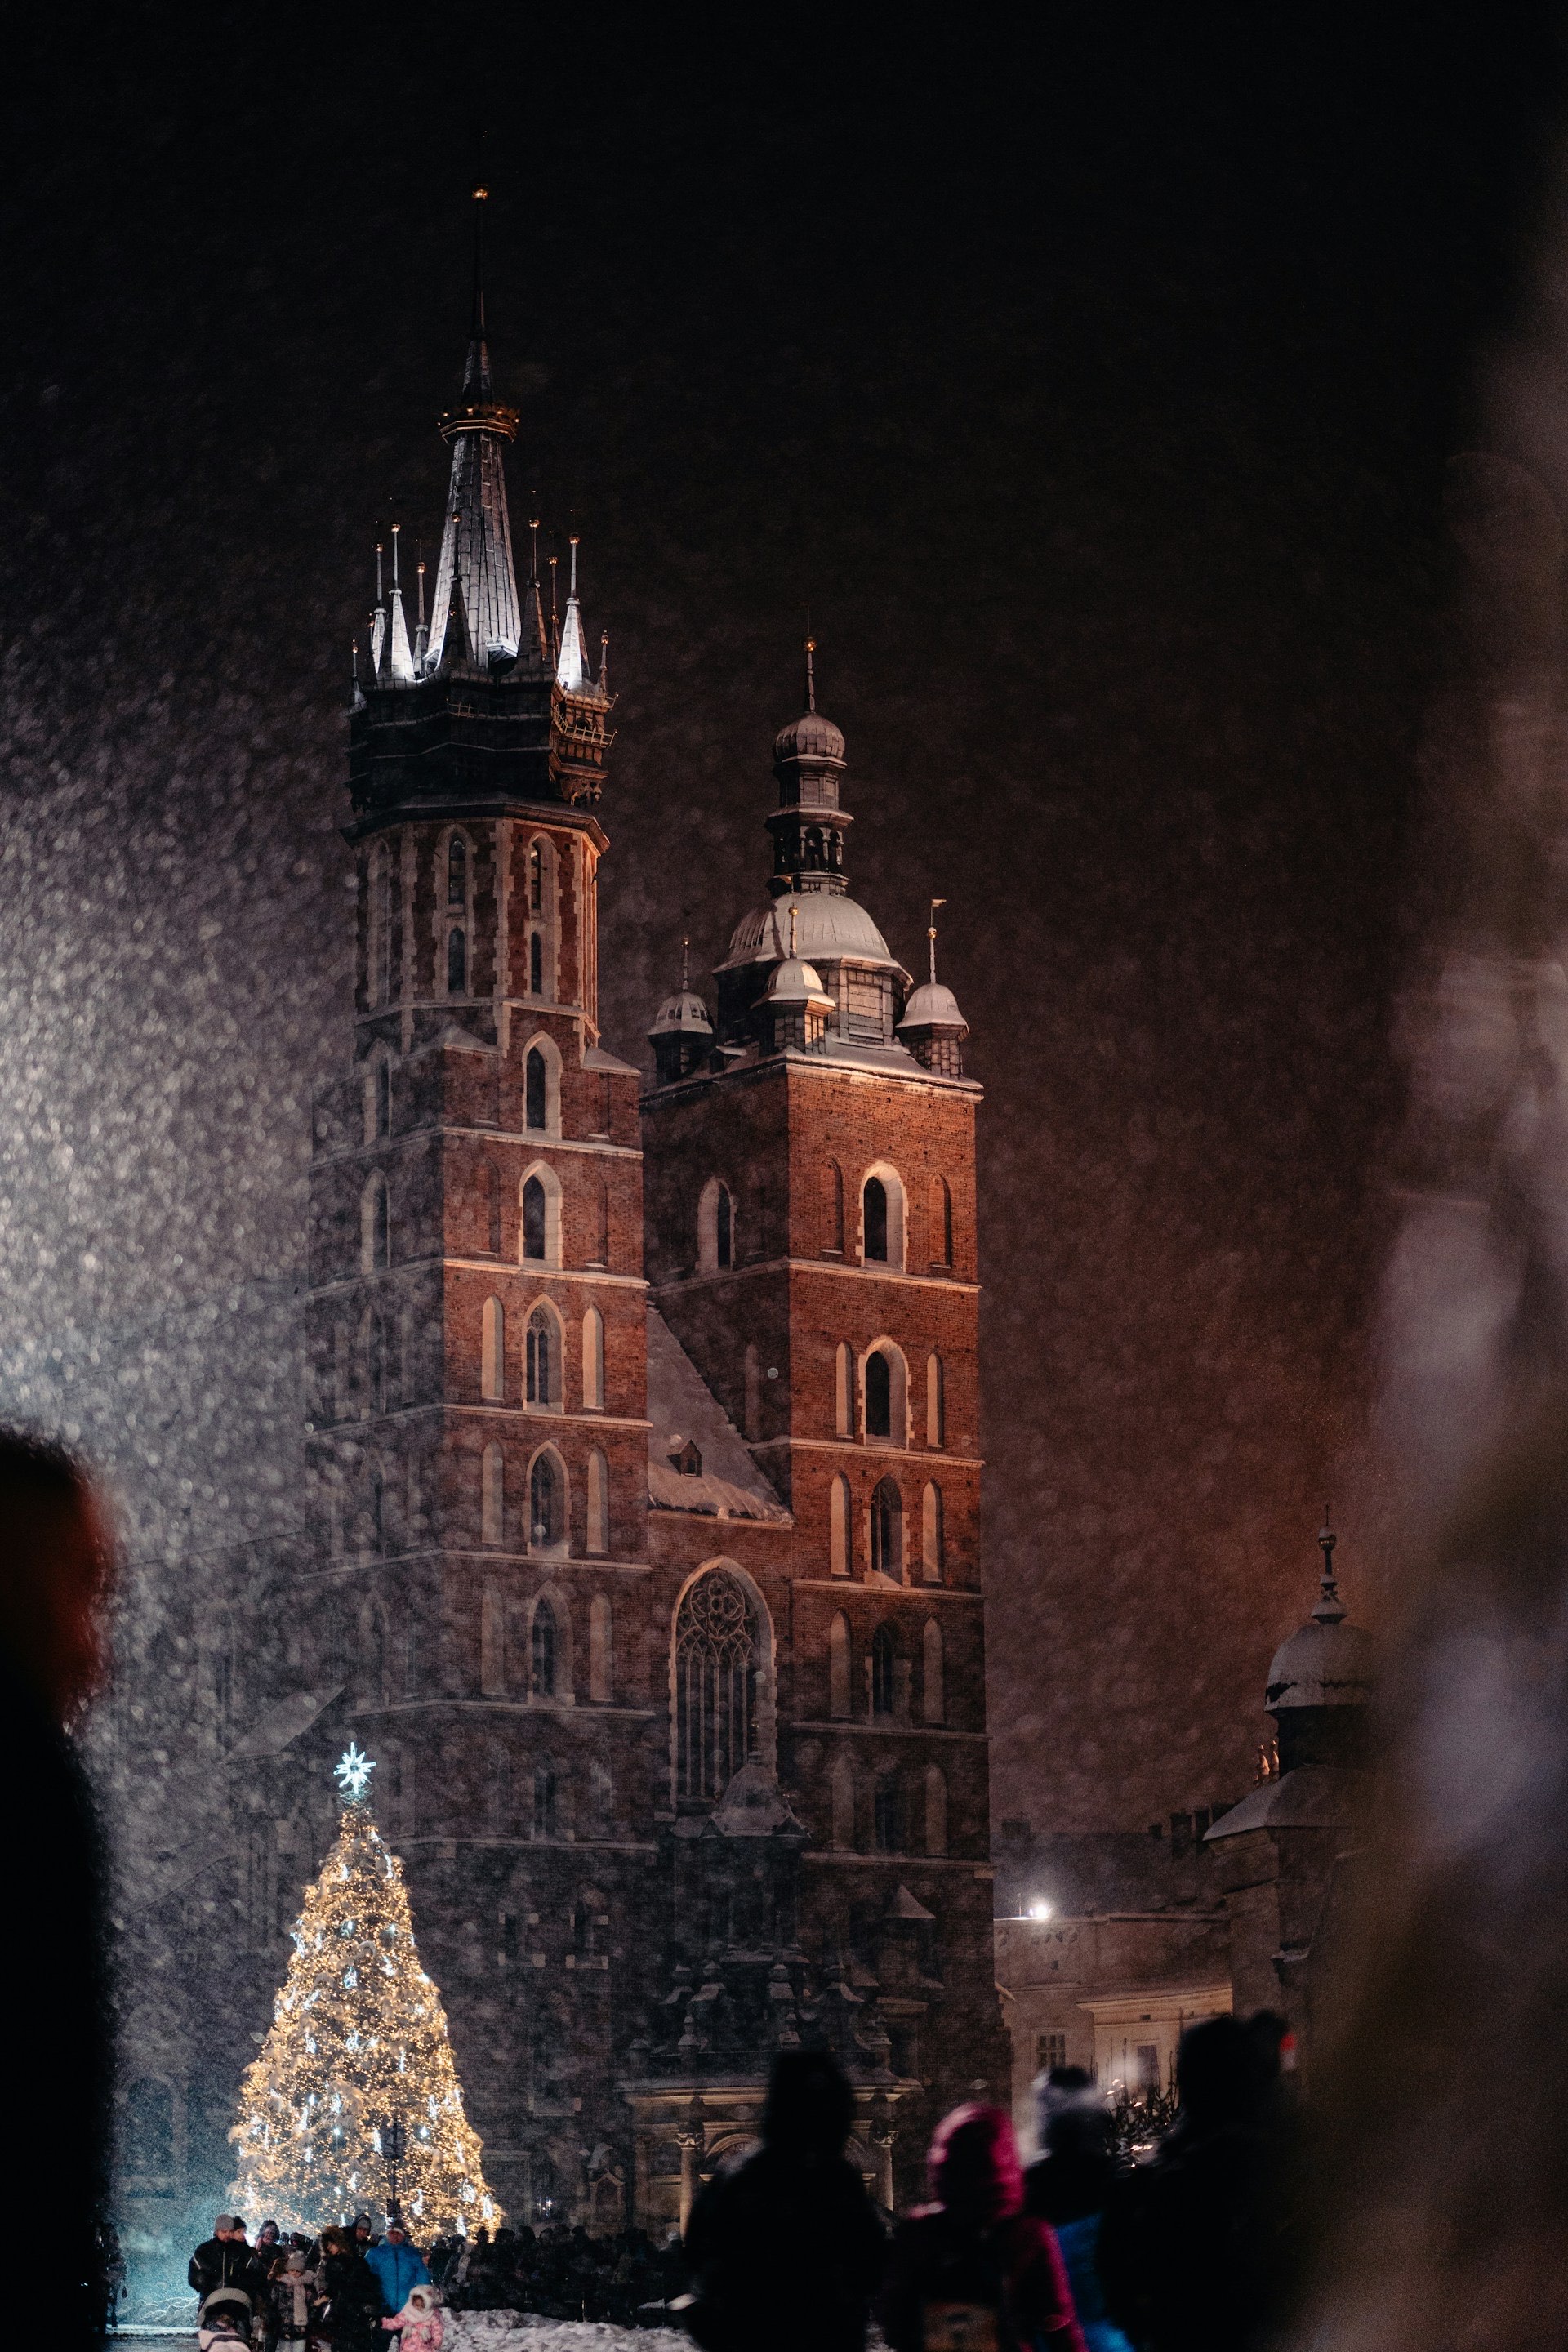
(225, 2260)
(1068, 2186)
(1194, 2247)
(972, 2267)
(786, 2249)
(348, 2309)
(54, 1562)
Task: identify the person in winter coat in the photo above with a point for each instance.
(289, 2296)
(397, 2266)
(56, 1559)
(419, 2320)
(972, 2271)
(1069, 2185)
(1193, 2246)
(786, 2250)
(348, 2306)
(225, 2260)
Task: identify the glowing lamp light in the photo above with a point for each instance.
(1039, 1908)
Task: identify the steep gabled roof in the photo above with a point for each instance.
(681, 1406)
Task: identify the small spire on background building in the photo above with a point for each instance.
(810, 674)
(401, 657)
(931, 936)
(573, 675)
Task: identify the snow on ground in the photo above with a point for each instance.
(526, 2331)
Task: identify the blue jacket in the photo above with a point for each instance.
(397, 2268)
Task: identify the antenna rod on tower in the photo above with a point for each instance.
(395, 529)
(931, 936)
(481, 196)
(810, 674)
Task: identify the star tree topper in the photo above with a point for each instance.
(352, 1773)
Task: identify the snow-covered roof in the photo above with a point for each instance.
(682, 1409)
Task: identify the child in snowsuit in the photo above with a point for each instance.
(289, 2294)
(420, 2320)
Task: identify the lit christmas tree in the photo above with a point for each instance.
(358, 2043)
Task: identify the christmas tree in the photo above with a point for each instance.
(358, 2046)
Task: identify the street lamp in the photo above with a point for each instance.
(393, 2143)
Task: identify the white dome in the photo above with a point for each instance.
(810, 737)
(1326, 1663)
(795, 982)
(683, 1011)
(827, 927)
(932, 1006)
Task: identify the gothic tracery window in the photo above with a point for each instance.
(887, 1529)
(457, 962)
(716, 1666)
(874, 1207)
(879, 1395)
(540, 1356)
(533, 1219)
(544, 1651)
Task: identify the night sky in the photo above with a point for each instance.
(1092, 386)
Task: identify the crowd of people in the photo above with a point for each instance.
(1189, 2250)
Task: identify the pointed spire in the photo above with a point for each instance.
(555, 617)
(401, 657)
(931, 936)
(476, 540)
(810, 674)
(685, 965)
(357, 699)
(535, 644)
(422, 627)
(573, 675)
(377, 619)
(605, 663)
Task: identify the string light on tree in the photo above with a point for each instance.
(358, 2035)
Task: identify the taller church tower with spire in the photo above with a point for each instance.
(650, 1578)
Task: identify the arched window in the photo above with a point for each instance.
(879, 1395)
(539, 1220)
(839, 1560)
(838, 1690)
(492, 1643)
(888, 1814)
(377, 927)
(375, 1226)
(933, 1693)
(534, 1220)
(600, 1800)
(887, 1529)
(536, 964)
(932, 1534)
(833, 1208)
(535, 878)
(543, 1646)
(598, 1498)
(843, 1392)
(457, 962)
(492, 1351)
(543, 1358)
(492, 1477)
(753, 1391)
(874, 1222)
(489, 1207)
(536, 1091)
(882, 1217)
(936, 1809)
(716, 1670)
(844, 1805)
(936, 1402)
(377, 1509)
(884, 1660)
(374, 1363)
(941, 1222)
(377, 1098)
(715, 1228)
(458, 871)
(546, 1504)
(592, 1360)
(601, 1656)
(546, 1804)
